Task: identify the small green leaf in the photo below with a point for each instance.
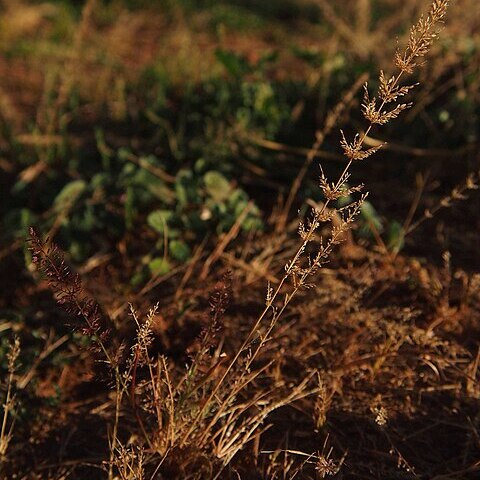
(129, 208)
(158, 220)
(235, 64)
(159, 266)
(369, 213)
(396, 237)
(217, 186)
(138, 278)
(179, 250)
(313, 56)
(185, 188)
(69, 194)
(252, 224)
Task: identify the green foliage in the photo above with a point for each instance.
(234, 17)
(395, 237)
(236, 65)
(173, 167)
(158, 220)
(159, 266)
(69, 194)
(179, 250)
(217, 186)
(372, 223)
(204, 204)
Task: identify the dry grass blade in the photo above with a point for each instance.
(421, 37)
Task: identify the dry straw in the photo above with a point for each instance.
(193, 424)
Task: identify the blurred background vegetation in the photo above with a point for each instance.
(169, 116)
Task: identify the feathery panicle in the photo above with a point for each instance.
(378, 116)
(422, 35)
(68, 289)
(303, 265)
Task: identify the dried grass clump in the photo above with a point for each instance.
(370, 362)
(390, 375)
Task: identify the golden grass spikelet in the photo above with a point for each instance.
(130, 462)
(422, 34)
(334, 191)
(354, 150)
(389, 90)
(379, 116)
